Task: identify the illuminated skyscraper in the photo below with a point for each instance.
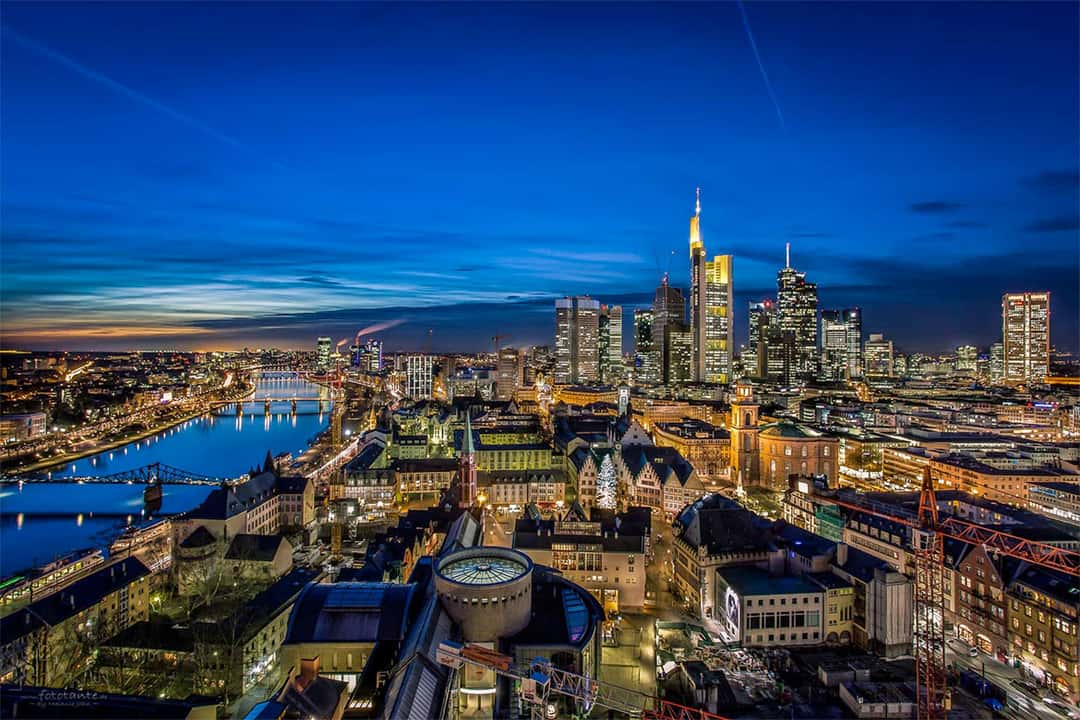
(645, 361)
(879, 356)
(711, 304)
(841, 344)
(577, 340)
(510, 373)
(1025, 335)
(796, 302)
(669, 307)
(762, 316)
(322, 354)
(419, 376)
(997, 362)
(678, 345)
(611, 364)
(966, 357)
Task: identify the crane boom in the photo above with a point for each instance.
(541, 677)
(1038, 553)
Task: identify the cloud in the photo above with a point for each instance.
(965, 224)
(1054, 180)
(1061, 223)
(935, 207)
(935, 236)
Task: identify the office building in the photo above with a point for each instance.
(1025, 336)
(879, 356)
(669, 307)
(966, 358)
(711, 305)
(322, 354)
(419, 376)
(679, 346)
(841, 344)
(577, 340)
(762, 316)
(997, 362)
(645, 361)
(797, 303)
(611, 366)
(510, 373)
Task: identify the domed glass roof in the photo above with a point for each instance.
(483, 570)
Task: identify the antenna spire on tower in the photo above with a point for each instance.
(697, 206)
(787, 255)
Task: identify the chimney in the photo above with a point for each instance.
(841, 554)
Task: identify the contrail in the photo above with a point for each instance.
(128, 92)
(761, 66)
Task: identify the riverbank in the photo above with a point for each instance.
(61, 460)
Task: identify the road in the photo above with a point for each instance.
(498, 533)
(1021, 704)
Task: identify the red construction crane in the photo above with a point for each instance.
(928, 534)
(540, 678)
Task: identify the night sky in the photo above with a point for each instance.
(208, 176)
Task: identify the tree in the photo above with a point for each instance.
(606, 484)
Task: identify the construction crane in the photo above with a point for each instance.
(497, 339)
(928, 534)
(540, 678)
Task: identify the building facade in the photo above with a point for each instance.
(577, 340)
(1025, 336)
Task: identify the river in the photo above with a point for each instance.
(40, 521)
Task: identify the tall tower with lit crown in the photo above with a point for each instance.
(697, 293)
(467, 466)
(711, 305)
(745, 463)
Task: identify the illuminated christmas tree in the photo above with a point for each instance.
(606, 484)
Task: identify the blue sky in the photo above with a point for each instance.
(208, 175)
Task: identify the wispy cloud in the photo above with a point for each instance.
(1061, 223)
(1054, 180)
(935, 207)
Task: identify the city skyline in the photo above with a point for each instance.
(223, 194)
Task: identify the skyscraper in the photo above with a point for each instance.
(796, 301)
(322, 354)
(762, 316)
(1025, 336)
(997, 362)
(509, 373)
(678, 345)
(711, 304)
(645, 361)
(841, 344)
(879, 356)
(419, 376)
(610, 351)
(966, 358)
(577, 340)
(669, 307)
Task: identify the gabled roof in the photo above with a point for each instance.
(226, 502)
(255, 548)
(71, 600)
(200, 538)
(665, 461)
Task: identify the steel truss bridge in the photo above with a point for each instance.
(153, 474)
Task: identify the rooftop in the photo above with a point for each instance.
(755, 581)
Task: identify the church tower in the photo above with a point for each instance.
(745, 462)
(467, 466)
